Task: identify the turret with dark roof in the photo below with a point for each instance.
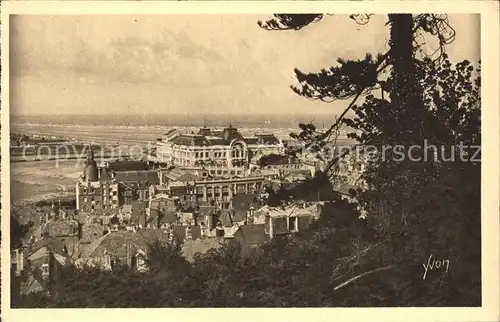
(90, 170)
(205, 131)
(231, 133)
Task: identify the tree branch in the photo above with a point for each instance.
(362, 275)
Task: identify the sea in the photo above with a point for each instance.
(144, 129)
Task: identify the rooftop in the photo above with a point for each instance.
(147, 176)
(209, 137)
(249, 235)
(119, 166)
(290, 211)
(116, 243)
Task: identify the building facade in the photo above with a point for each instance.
(112, 186)
(221, 190)
(208, 147)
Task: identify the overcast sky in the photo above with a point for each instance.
(185, 63)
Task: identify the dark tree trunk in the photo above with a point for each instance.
(406, 111)
(405, 97)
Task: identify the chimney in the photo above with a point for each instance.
(19, 261)
(129, 258)
(46, 273)
(271, 232)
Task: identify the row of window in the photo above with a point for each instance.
(206, 154)
(286, 166)
(96, 202)
(226, 172)
(93, 191)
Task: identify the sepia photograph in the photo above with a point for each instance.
(243, 160)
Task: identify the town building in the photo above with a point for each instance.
(290, 219)
(113, 185)
(210, 147)
(38, 268)
(210, 191)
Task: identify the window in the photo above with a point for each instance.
(292, 223)
(45, 269)
(267, 225)
(84, 190)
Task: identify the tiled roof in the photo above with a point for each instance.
(190, 140)
(152, 235)
(128, 166)
(149, 176)
(61, 228)
(31, 285)
(116, 242)
(53, 244)
(251, 234)
(206, 137)
(174, 174)
(91, 232)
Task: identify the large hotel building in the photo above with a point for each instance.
(209, 147)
